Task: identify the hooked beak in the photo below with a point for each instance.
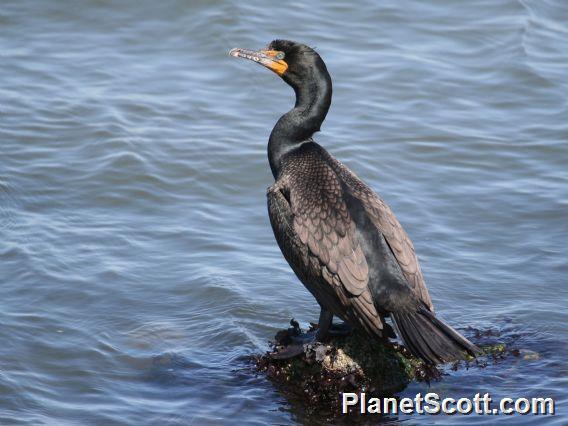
(271, 59)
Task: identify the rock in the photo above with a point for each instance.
(321, 372)
(355, 363)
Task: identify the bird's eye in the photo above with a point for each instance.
(280, 55)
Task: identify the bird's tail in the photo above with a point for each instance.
(431, 339)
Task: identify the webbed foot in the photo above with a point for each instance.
(341, 329)
(290, 343)
(287, 352)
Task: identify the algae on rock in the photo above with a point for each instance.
(355, 363)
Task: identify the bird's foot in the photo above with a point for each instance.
(295, 347)
(341, 329)
(290, 343)
(318, 334)
(305, 338)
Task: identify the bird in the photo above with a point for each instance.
(340, 238)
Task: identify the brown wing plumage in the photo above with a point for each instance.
(322, 222)
(386, 222)
(318, 238)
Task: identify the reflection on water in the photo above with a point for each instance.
(138, 264)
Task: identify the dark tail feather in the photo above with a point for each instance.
(431, 339)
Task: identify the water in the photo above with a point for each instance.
(138, 264)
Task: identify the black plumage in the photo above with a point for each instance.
(341, 239)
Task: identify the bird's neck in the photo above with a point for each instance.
(313, 98)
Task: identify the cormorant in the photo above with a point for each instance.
(341, 239)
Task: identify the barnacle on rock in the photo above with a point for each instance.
(352, 363)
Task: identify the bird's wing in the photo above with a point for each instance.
(320, 224)
(386, 222)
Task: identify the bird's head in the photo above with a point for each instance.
(296, 63)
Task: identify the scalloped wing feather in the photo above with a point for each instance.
(384, 219)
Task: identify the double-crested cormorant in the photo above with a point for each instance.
(341, 239)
